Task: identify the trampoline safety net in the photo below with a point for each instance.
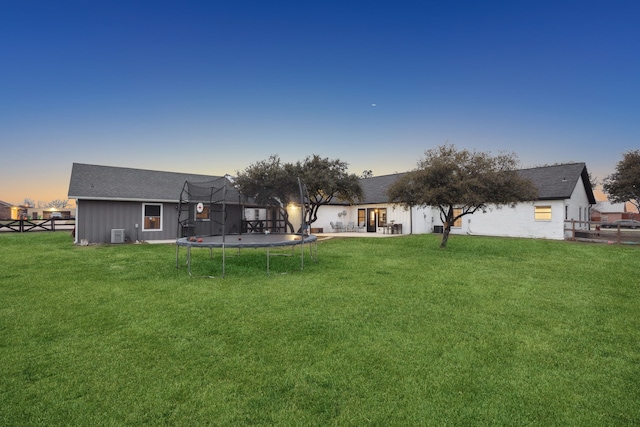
(209, 208)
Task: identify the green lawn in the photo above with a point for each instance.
(384, 332)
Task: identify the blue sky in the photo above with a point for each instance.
(211, 87)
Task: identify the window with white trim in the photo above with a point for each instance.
(542, 213)
(458, 222)
(151, 217)
(202, 214)
(382, 217)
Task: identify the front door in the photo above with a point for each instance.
(372, 219)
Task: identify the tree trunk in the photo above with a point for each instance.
(445, 236)
(311, 214)
(448, 221)
(287, 224)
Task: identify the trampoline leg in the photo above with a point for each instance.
(268, 257)
(302, 255)
(224, 259)
(189, 259)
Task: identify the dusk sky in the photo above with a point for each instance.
(211, 87)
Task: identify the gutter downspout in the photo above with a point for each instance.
(75, 227)
(411, 220)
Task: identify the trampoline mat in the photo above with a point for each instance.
(251, 240)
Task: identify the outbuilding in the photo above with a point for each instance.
(115, 204)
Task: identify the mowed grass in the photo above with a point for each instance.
(385, 332)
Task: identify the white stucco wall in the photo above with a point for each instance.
(518, 221)
(424, 218)
(578, 207)
(396, 213)
(505, 221)
(329, 213)
(295, 216)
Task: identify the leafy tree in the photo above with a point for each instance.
(273, 182)
(469, 181)
(269, 183)
(624, 184)
(326, 180)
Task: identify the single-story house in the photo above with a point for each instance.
(564, 194)
(6, 210)
(145, 205)
(136, 204)
(48, 213)
(9, 211)
(608, 212)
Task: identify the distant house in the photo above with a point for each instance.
(608, 212)
(565, 193)
(48, 213)
(9, 211)
(5, 210)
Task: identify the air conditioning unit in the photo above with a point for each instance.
(117, 235)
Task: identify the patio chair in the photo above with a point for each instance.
(340, 226)
(351, 226)
(334, 227)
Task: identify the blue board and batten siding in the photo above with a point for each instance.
(109, 198)
(98, 217)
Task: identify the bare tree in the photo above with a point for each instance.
(58, 203)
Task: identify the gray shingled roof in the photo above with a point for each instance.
(553, 182)
(608, 207)
(375, 188)
(558, 181)
(115, 183)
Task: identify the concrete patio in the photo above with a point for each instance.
(356, 234)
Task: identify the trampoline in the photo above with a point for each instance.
(210, 213)
(252, 240)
